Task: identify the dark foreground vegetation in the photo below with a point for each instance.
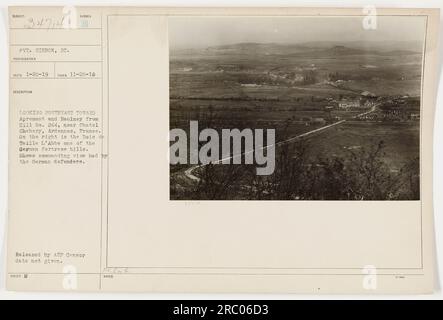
(359, 175)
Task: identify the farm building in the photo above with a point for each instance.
(368, 94)
(346, 104)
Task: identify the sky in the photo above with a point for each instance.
(200, 32)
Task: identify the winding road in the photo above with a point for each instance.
(189, 173)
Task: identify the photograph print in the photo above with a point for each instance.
(295, 108)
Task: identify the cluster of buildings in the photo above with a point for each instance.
(391, 115)
(365, 100)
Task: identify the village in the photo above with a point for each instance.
(366, 107)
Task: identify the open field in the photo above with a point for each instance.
(401, 139)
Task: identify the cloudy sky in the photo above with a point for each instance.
(197, 32)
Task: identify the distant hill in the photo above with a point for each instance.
(381, 46)
(271, 48)
(399, 53)
(342, 51)
(315, 49)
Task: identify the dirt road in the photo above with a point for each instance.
(189, 173)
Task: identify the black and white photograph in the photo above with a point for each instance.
(295, 108)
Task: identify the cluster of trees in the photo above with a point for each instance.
(360, 175)
(310, 77)
(334, 76)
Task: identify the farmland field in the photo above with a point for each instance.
(401, 140)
